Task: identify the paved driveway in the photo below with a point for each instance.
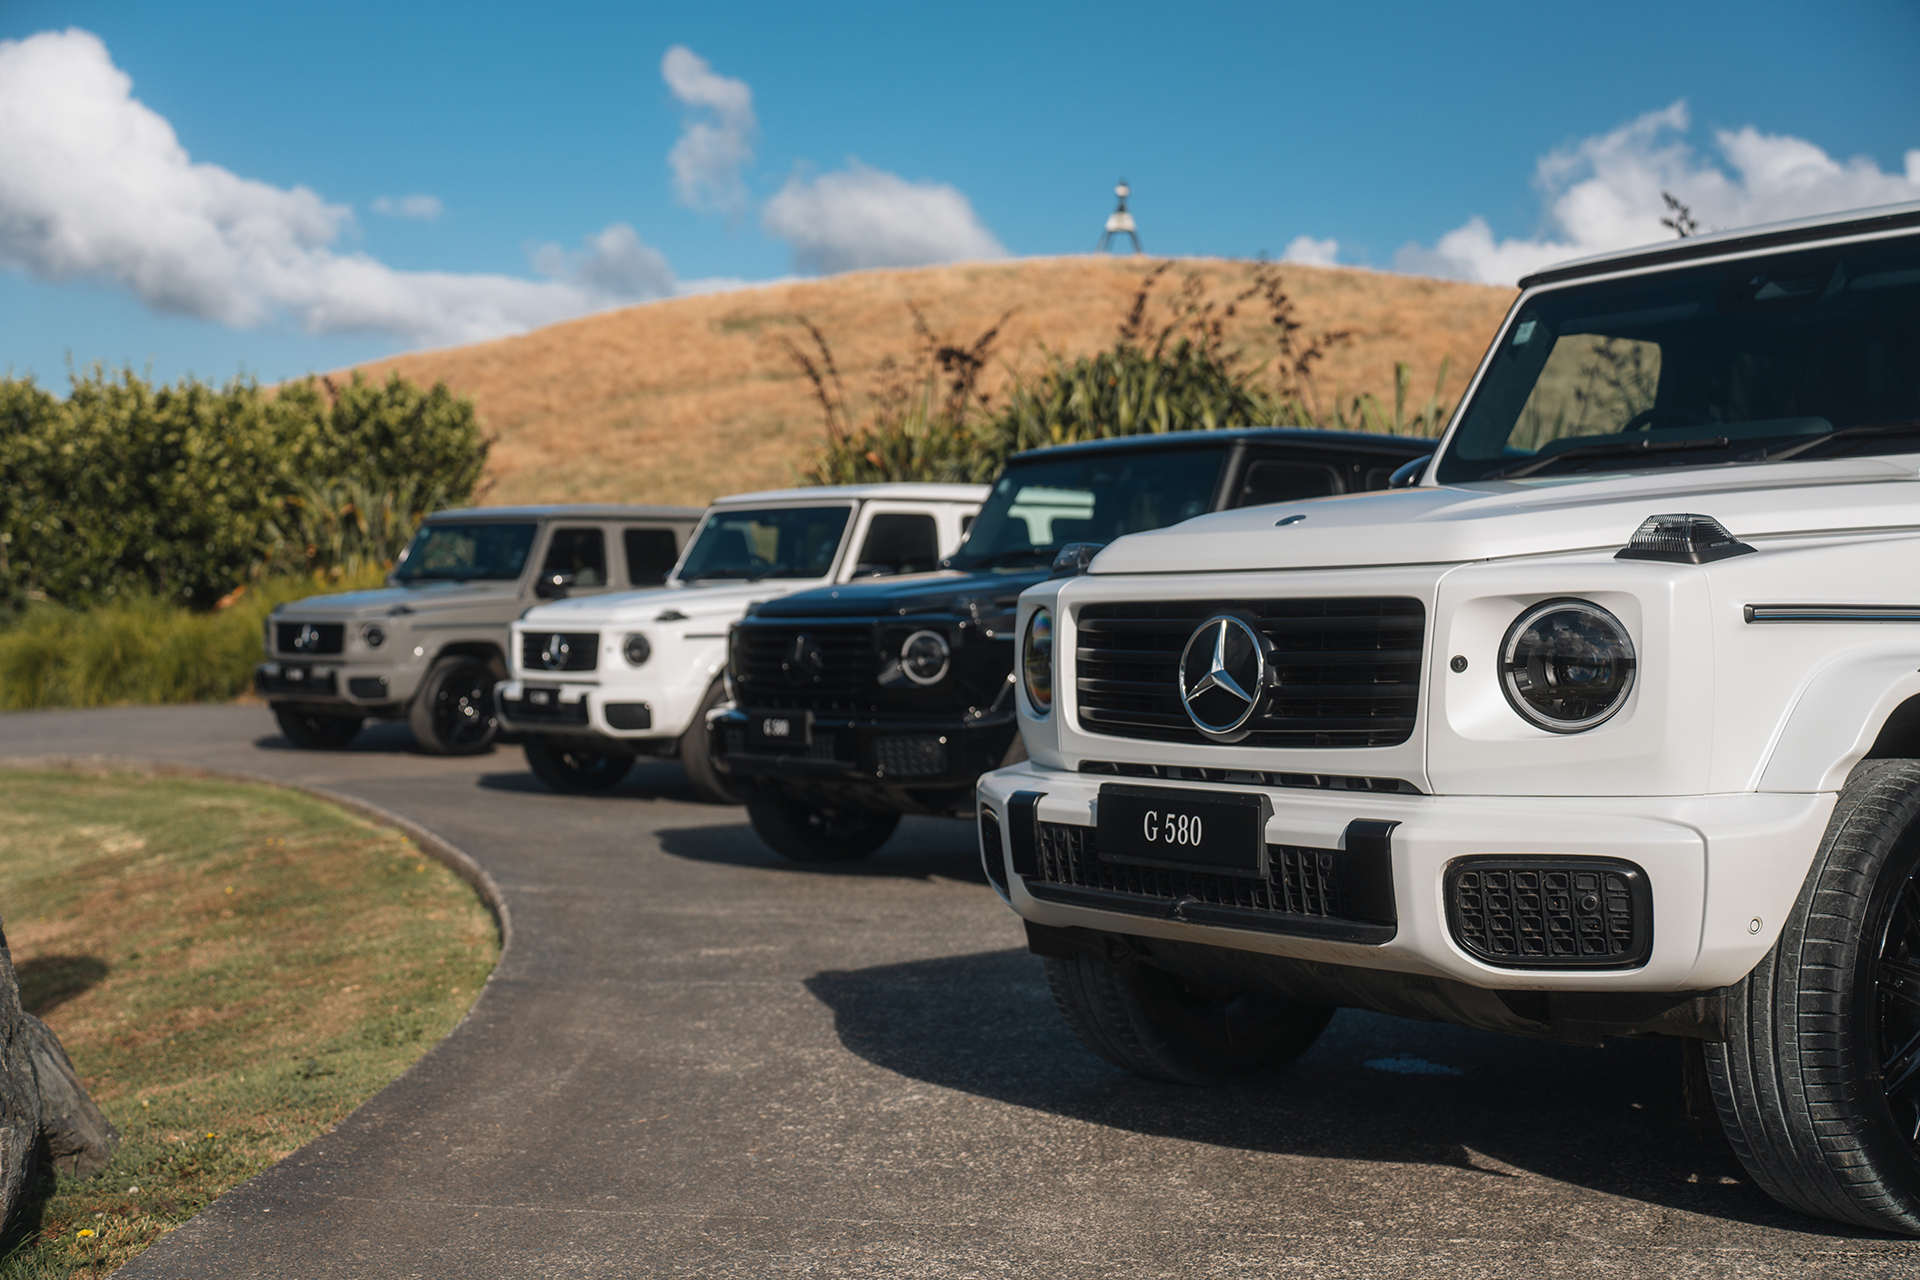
(696, 1059)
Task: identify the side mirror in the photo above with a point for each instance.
(1074, 558)
(1408, 474)
(552, 586)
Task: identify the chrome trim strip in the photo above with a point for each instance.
(1833, 613)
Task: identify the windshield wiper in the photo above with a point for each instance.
(1613, 449)
(1905, 427)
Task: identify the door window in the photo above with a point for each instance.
(898, 542)
(580, 552)
(651, 554)
(1270, 480)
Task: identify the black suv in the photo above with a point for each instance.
(855, 704)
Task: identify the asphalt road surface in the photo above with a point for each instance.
(697, 1059)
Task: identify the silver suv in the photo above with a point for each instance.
(431, 644)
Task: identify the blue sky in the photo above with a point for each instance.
(1370, 134)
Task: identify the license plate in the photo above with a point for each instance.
(295, 674)
(1219, 831)
(542, 697)
(779, 730)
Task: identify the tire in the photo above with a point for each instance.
(577, 772)
(809, 833)
(316, 732)
(1152, 1023)
(453, 715)
(697, 750)
(1831, 1017)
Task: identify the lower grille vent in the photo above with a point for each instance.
(1324, 892)
(909, 755)
(993, 853)
(1551, 913)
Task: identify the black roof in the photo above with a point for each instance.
(1802, 231)
(1401, 447)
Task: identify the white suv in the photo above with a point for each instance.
(597, 682)
(1609, 724)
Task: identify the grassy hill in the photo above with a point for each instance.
(688, 399)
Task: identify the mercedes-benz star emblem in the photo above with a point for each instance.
(1224, 677)
(554, 656)
(308, 639)
(806, 661)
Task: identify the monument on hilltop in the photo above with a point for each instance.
(1120, 222)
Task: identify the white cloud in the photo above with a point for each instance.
(862, 217)
(715, 147)
(422, 208)
(94, 185)
(1309, 252)
(1603, 193)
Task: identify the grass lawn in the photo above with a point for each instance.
(232, 969)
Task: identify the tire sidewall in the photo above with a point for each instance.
(1895, 864)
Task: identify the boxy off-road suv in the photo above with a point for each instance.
(1608, 726)
(430, 645)
(599, 682)
(858, 703)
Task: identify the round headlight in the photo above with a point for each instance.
(373, 635)
(1036, 661)
(925, 657)
(637, 649)
(1566, 665)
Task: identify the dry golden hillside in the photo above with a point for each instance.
(687, 399)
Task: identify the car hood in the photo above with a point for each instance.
(629, 608)
(983, 592)
(398, 601)
(1499, 519)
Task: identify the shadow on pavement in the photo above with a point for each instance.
(377, 736)
(923, 848)
(1375, 1088)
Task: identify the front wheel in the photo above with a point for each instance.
(316, 732)
(1161, 1026)
(452, 715)
(567, 769)
(1818, 1086)
(697, 749)
(808, 832)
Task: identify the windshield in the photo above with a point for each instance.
(493, 551)
(1040, 506)
(1765, 357)
(769, 542)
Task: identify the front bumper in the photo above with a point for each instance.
(354, 687)
(1723, 871)
(905, 764)
(637, 719)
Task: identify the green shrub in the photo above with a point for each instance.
(183, 492)
(140, 648)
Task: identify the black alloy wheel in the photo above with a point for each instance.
(453, 714)
(1166, 1027)
(314, 731)
(807, 832)
(570, 769)
(1818, 1086)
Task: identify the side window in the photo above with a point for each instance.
(898, 542)
(1271, 480)
(580, 552)
(651, 554)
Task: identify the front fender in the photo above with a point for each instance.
(1838, 715)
